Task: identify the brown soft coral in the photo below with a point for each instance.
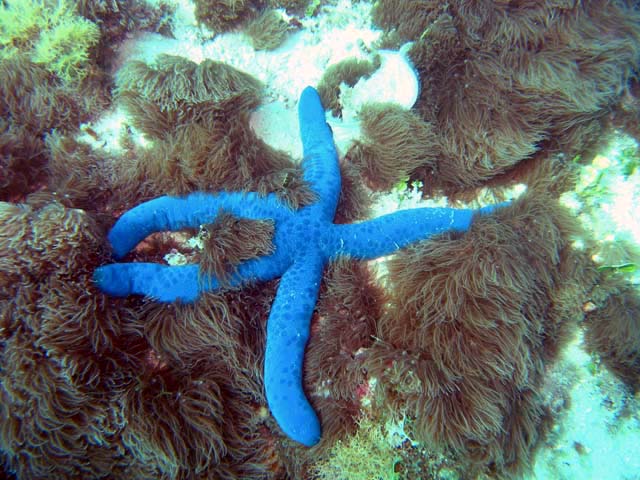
(32, 103)
(350, 303)
(503, 82)
(62, 358)
(224, 15)
(93, 387)
(393, 145)
(230, 241)
(198, 117)
(173, 82)
(612, 329)
(476, 317)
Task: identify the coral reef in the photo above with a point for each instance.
(265, 26)
(349, 305)
(60, 375)
(91, 389)
(304, 241)
(394, 145)
(294, 7)
(475, 319)
(603, 199)
(224, 15)
(50, 83)
(347, 71)
(455, 343)
(344, 460)
(77, 175)
(394, 81)
(198, 116)
(612, 328)
(174, 82)
(50, 34)
(131, 387)
(231, 241)
(31, 104)
(119, 18)
(267, 31)
(502, 83)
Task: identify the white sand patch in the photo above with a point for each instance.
(598, 437)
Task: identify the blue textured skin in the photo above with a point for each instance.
(305, 240)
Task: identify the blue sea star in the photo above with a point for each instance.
(304, 240)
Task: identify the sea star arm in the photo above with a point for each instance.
(175, 213)
(160, 282)
(185, 283)
(287, 333)
(320, 158)
(386, 234)
(304, 240)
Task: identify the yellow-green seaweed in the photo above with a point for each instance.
(50, 34)
(367, 455)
